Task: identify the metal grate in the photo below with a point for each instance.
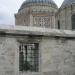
(29, 57)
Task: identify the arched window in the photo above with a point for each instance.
(73, 21)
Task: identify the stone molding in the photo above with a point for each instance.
(38, 31)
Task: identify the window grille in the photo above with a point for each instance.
(29, 57)
(42, 21)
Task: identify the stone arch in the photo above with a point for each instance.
(73, 21)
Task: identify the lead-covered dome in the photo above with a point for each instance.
(67, 3)
(28, 3)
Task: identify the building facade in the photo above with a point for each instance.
(66, 15)
(42, 42)
(37, 13)
(46, 14)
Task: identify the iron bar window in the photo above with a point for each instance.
(29, 57)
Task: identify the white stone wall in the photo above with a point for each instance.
(58, 56)
(8, 48)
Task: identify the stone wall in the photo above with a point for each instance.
(58, 56)
(56, 50)
(8, 48)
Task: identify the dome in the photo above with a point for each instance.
(67, 3)
(28, 3)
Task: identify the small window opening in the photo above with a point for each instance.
(73, 22)
(58, 24)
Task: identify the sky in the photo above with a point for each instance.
(9, 7)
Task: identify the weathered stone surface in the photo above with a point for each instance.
(57, 54)
(7, 55)
(28, 30)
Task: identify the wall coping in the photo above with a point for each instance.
(28, 30)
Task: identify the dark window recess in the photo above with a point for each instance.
(29, 57)
(58, 24)
(73, 22)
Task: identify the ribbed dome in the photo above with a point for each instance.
(31, 2)
(67, 3)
